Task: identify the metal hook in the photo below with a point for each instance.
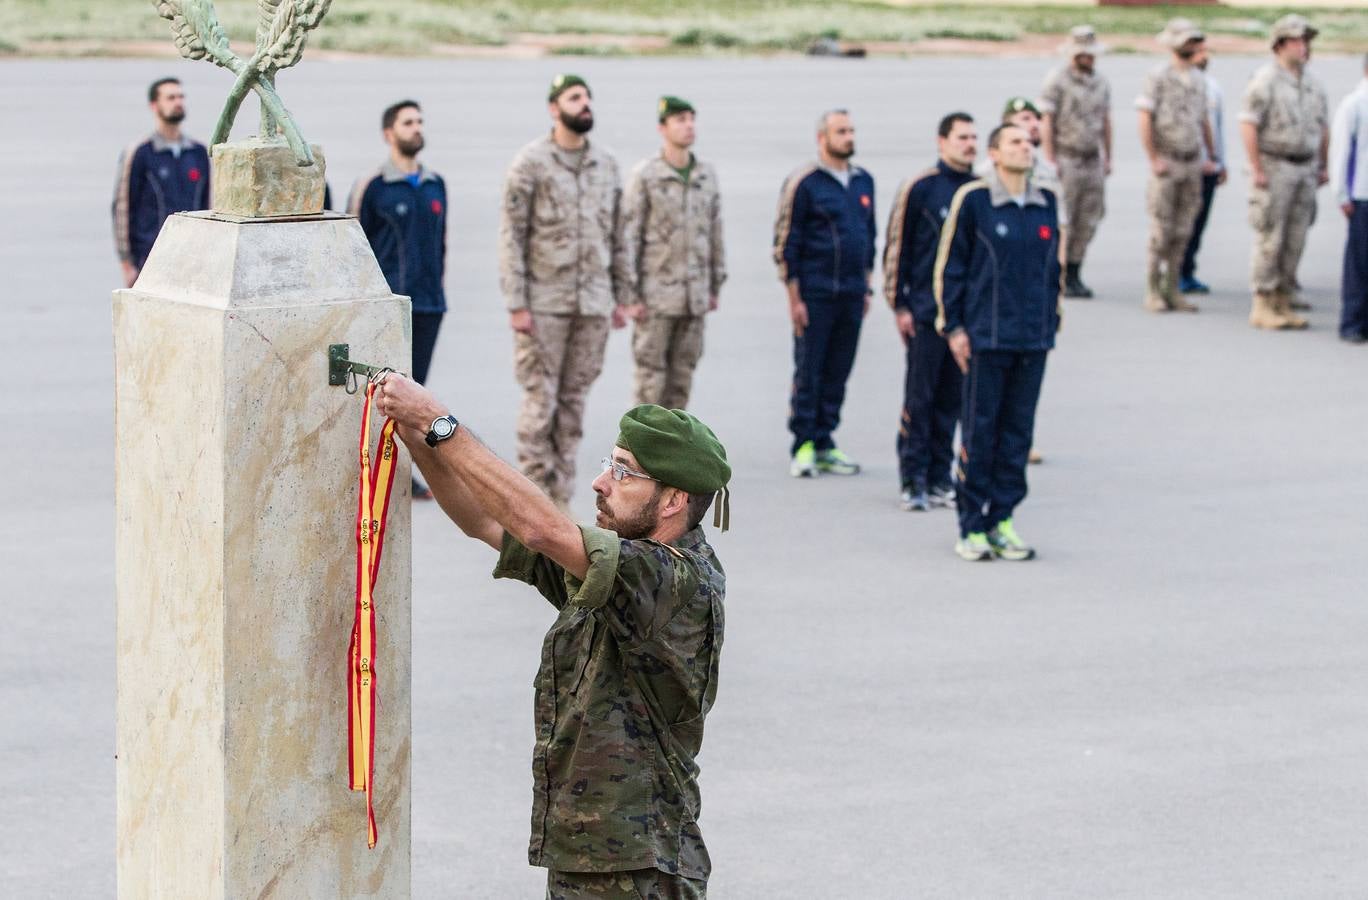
(352, 385)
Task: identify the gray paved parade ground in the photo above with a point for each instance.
(1169, 703)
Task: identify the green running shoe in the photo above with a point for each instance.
(1007, 544)
(804, 462)
(974, 547)
(834, 462)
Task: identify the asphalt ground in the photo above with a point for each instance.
(1168, 703)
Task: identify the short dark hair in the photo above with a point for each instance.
(698, 508)
(947, 124)
(995, 138)
(157, 86)
(392, 112)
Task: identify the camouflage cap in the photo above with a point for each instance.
(1292, 26)
(670, 106)
(1082, 39)
(564, 82)
(1016, 105)
(1179, 32)
(675, 447)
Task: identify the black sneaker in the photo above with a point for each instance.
(943, 496)
(1354, 337)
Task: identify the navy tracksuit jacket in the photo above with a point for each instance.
(998, 278)
(931, 387)
(155, 180)
(824, 239)
(406, 227)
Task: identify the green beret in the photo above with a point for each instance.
(670, 106)
(1016, 105)
(564, 82)
(674, 447)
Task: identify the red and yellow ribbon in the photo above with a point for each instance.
(371, 509)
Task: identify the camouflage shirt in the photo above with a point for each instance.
(672, 234)
(628, 672)
(1175, 98)
(1079, 103)
(557, 232)
(1290, 113)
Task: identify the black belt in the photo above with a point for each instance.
(1296, 158)
(1181, 157)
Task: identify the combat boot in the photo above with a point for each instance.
(1172, 296)
(1282, 303)
(1263, 313)
(1154, 298)
(1073, 283)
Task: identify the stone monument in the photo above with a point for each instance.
(236, 470)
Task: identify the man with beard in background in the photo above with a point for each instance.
(565, 279)
(164, 174)
(402, 209)
(824, 249)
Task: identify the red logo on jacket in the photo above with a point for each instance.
(1045, 232)
(436, 207)
(193, 175)
(864, 200)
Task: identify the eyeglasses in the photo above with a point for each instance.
(620, 471)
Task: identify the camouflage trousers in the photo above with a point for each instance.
(1084, 182)
(641, 884)
(1172, 201)
(1281, 215)
(667, 349)
(555, 366)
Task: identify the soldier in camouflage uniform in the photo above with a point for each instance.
(1076, 136)
(562, 273)
(672, 235)
(1173, 130)
(629, 670)
(1284, 122)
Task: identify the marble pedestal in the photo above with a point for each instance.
(236, 502)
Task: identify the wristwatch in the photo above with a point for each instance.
(442, 428)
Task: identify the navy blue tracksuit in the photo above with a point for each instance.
(931, 386)
(405, 221)
(998, 279)
(824, 239)
(156, 178)
(1354, 285)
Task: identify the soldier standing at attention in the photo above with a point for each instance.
(997, 282)
(1076, 138)
(164, 174)
(1349, 181)
(931, 384)
(1213, 175)
(1284, 123)
(629, 670)
(672, 237)
(1173, 131)
(402, 209)
(824, 248)
(564, 277)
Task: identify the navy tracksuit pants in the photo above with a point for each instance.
(822, 360)
(1189, 269)
(1354, 285)
(931, 409)
(1000, 395)
(425, 328)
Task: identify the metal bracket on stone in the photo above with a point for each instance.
(339, 368)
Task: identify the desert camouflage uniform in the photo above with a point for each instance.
(1291, 115)
(628, 672)
(558, 257)
(672, 236)
(1176, 99)
(1079, 104)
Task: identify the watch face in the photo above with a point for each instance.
(443, 427)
